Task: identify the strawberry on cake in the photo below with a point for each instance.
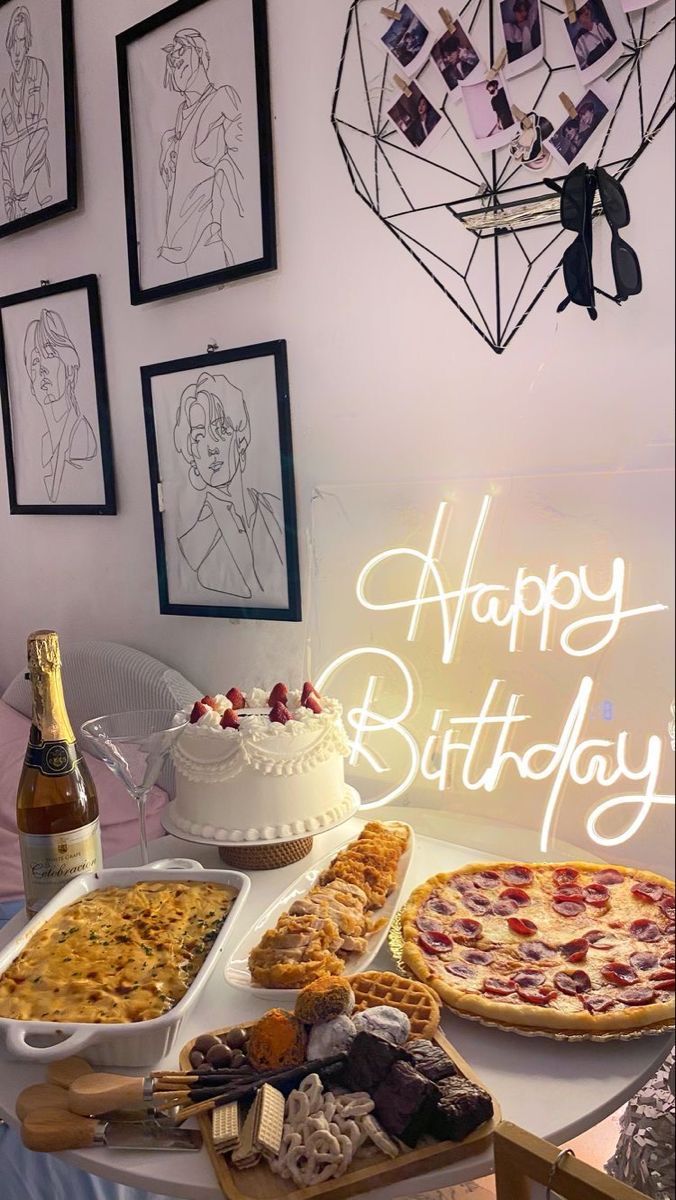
(261, 766)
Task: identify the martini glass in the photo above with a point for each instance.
(134, 745)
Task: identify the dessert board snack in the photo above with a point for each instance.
(571, 948)
(390, 1160)
(333, 919)
(419, 1002)
(276, 755)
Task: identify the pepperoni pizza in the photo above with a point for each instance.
(571, 947)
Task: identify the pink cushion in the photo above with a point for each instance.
(118, 812)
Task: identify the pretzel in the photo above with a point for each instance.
(376, 1134)
(359, 1104)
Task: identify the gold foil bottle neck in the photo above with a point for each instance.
(43, 651)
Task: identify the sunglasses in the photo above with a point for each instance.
(578, 195)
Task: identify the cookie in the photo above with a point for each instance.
(331, 1037)
(389, 1023)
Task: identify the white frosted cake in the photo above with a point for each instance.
(261, 768)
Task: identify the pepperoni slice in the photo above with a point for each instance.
(539, 996)
(643, 960)
(651, 892)
(570, 892)
(487, 879)
(565, 875)
(429, 924)
(574, 983)
(576, 951)
(477, 903)
(610, 877)
(517, 895)
(645, 931)
(667, 904)
(463, 970)
(666, 985)
(597, 895)
(529, 978)
(661, 976)
(599, 939)
(568, 908)
(468, 929)
(534, 951)
(668, 960)
(637, 996)
(480, 958)
(518, 876)
(599, 1004)
(505, 908)
(439, 904)
(498, 987)
(522, 926)
(620, 974)
(435, 943)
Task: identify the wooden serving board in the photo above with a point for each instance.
(259, 1183)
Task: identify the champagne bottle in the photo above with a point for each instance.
(57, 811)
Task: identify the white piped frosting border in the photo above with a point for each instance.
(269, 833)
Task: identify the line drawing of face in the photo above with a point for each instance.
(19, 38)
(51, 360)
(213, 432)
(186, 54)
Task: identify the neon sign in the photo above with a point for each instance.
(570, 615)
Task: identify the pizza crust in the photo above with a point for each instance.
(525, 1015)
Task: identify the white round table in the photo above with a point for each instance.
(552, 1089)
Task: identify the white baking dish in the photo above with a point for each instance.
(129, 1045)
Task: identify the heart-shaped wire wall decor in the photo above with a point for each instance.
(482, 223)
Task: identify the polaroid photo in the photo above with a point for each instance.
(407, 38)
(456, 59)
(595, 36)
(571, 137)
(416, 118)
(522, 30)
(489, 109)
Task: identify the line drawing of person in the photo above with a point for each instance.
(197, 161)
(53, 365)
(236, 545)
(24, 133)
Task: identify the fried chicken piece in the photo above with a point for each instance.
(296, 975)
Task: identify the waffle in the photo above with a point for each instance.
(415, 999)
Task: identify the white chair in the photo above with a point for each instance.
(105, 677)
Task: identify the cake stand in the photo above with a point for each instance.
(264, 854)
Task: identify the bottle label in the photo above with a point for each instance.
(51, 860)
(53, 759)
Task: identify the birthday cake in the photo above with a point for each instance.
(261, 767)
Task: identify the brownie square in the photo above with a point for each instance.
(369, 1060)
(461, 1108)
(405, 1103)
(431, 1061)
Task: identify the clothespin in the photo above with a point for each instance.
(390, 14)
(571, 11)
(403, 84)
(522, 117)
(568, 105)
(497, 65)
(447, 19)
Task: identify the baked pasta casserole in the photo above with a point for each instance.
(118, 955)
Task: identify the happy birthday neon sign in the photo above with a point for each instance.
(456, 737)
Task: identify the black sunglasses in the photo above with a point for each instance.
(626, 267)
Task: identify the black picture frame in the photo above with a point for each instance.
(277, 350)
(70, 201)
(267, 261)
(89, 284)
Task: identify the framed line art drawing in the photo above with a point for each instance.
(38, 162)
(222, 484)
(55, 401)
(197, 147)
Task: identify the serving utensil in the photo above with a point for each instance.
(51, 1130)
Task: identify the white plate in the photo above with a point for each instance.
(237, 968)
(351, 794)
